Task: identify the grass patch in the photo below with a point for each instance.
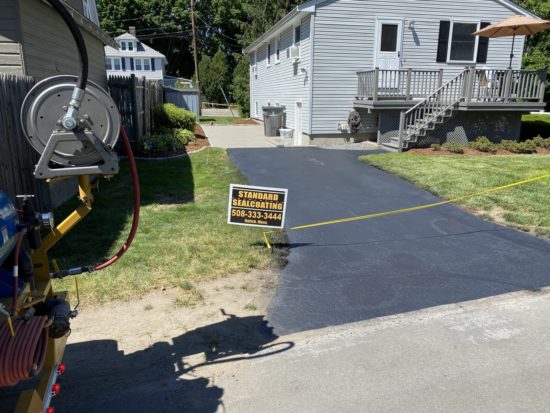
(183, 235)
(188, 298)
(218, 120)
(251, 307)
(534, 125)
(525, 207)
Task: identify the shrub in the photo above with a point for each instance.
(164, 142)
(519, 147)
(454, 147)
(541, 142)
(483, 144)
(169, 115)
(435, 147)
(184, 136)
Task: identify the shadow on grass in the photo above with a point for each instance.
(101, 378)
(161, 182)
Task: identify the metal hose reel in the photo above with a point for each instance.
(85, 150)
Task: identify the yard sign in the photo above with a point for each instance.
(256, 206)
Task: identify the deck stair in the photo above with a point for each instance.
(429, 114)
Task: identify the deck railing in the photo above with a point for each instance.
(405, 84)
(481, 85)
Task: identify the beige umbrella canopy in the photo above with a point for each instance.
(514, 26)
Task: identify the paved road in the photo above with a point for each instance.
(363, 270)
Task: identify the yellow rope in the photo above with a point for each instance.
(412, 209)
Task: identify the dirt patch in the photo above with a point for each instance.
(160, 317)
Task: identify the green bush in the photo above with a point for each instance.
(163, 142)
(184, 136)
(541, 142)
(454, 147)
(519, 147)
(169, 115)
(435, 147)
(483, 144)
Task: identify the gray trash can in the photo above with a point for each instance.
(273, 119)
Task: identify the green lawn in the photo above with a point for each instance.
(525, 207)
(533, 125)
(183, 235)
(218, 120)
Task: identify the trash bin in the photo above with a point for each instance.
(273, 119)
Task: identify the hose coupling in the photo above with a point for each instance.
(70, 120)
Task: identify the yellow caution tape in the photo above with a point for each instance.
(412, 209)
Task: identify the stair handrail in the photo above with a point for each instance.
(437, 109)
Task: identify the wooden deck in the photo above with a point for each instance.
(480, 89)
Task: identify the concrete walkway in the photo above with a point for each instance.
(236, 136)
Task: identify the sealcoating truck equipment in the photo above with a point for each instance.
(74, 125)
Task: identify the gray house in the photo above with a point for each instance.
(34, 41)
(402, 73)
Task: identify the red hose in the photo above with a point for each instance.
(22, 356)
(17, 252)
(137, 204)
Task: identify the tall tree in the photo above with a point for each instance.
(214, 76)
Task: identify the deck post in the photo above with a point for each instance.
(409, 78)
(376, 83)
(440, 81)
(401, 131)
(508, 85)
(469, 84)
(543, 75)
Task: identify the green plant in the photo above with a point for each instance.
(184, 136)
(483, 144)
(435, 147)
(454, 147)
(251, 306)
(541, 142)
(169, 115)
(164, 142)
(519, 147)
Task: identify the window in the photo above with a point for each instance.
(278, 51)
(297, 35)
(130, 46)
(253, 66)
(90, 11)
(463, 43)
(269, 54)
(388, 39)
(142, 64)
(123, 45)
(113, 63)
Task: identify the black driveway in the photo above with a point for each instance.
(356, 271)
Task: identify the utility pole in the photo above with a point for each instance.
(195, 53)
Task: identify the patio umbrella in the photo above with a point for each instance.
(514, 26)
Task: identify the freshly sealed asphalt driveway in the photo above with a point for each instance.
(361, 270)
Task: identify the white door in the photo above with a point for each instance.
(388, 52)
(298, 125)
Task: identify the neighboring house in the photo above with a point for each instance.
(401, 65)
(34, 40)
(133, 57)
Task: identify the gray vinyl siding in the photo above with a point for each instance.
(48, 47)
(283, 83)
(10, 37)
(345, 44)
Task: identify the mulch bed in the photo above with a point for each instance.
(199, 143)
(469, 151)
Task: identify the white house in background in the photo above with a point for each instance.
(134, 58)
(402, 72)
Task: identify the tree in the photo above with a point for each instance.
(214, 74)
(240, 86)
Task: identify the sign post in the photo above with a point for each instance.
(256, 206)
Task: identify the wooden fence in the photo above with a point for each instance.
(17, 157)
(136, 98)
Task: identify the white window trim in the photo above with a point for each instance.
(142, 61)
(449, 47)
(294, 43)
(278, 50)
(113, 65)
(90, 11)
(254, 65)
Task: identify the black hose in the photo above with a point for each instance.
(79, 40)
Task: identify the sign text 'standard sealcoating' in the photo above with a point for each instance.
(257, 206)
